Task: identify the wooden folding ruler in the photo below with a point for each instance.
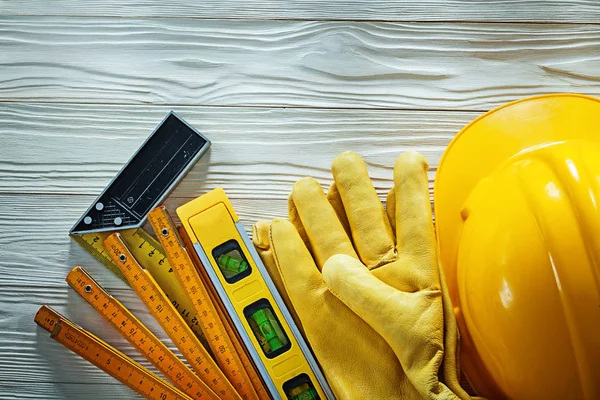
(149, 254)
(138, 335)
(168, 318)
(106, 357)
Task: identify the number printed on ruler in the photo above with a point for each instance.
(241, 350)
(106, 357)
(218, 337)
(170, 320)
(150, 255)
(138, 335)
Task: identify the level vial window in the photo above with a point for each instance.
(300, 388)
(267, 329)
(231, 261)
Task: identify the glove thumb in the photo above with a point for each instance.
(411, 323)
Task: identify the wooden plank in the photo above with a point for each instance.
(36, 249)
(256, 153)
(28, 354)
(61, 391)
(398, 10)
(292, 63)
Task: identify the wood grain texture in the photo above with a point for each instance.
(256, 153)
(576, 11)
(35, 247)
(266, 63)
(71, 390)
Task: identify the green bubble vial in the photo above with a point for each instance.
(232, 264)
(300, 388)
(267, 329)
(304, 392)
(231, 261)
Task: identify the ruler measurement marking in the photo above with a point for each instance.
(213, 328)
(226, 320)
(137, 334)
(152, 258)
(168, 317)
(106, 357)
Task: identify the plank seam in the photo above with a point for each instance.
(266, 107)
(423, 21)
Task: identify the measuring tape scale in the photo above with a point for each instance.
(250, 368)
(106, 357)
(138, 335)
(169, 319)
(212, 326)
(150, 255)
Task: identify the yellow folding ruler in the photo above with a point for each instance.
(148, 252)
(242, 283)
(106, 357)
(169, 319)
(138, 335)
(221, 339)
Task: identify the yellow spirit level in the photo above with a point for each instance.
(250, 298)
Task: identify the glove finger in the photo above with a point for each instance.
(262, 242)
(333, 195)
(371, 231)
(414, 224)
(297, 222)
(324, 231)
(300, 276)
(390, 208)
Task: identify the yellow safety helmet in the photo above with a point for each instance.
(517, 197)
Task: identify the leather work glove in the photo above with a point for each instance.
(365, 284)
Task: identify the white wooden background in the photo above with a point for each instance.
(280, 87)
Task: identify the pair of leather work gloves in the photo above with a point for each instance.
(363, 282)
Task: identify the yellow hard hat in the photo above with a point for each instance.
(517, 197)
